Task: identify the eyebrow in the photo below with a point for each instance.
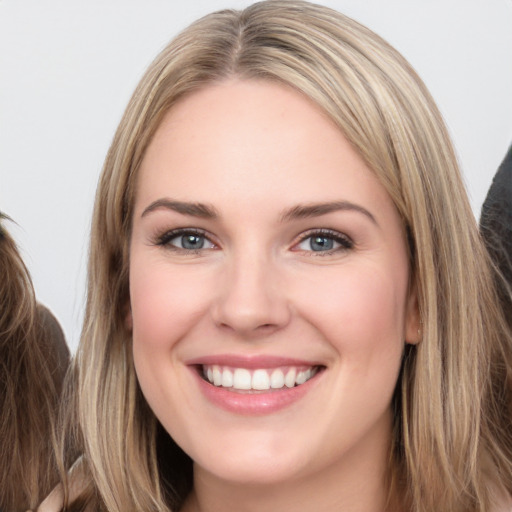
(301, 211)
(319, 209)
(201, 210)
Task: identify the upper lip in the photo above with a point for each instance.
(251, 362)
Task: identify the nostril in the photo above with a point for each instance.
(267, 328)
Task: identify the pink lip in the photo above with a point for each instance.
(255, 403)
(250, 362)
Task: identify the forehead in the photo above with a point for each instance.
(241, 141)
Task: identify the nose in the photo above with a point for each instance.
(251, 298)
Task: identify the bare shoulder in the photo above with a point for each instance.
(53, 502)
(77, 481)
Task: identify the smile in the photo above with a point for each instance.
(260, 379)
(257, 385)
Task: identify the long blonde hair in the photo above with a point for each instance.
(452, 432)
(33, 360)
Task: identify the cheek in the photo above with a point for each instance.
(365, 326)
(165, 303)
(361, 313)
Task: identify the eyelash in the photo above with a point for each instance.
(165, 239)
(345, 243)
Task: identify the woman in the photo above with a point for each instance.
(289, 304)
(33, 359)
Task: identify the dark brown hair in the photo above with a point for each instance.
(33, 359)
(496, 229)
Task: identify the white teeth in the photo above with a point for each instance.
(277, 379)
(242, 379)
(303, 377)
(259, 380)
(227, 378)
(289, 380)
(217, 376)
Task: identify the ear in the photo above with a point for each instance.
(412, 330)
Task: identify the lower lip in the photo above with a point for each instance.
(257, 403)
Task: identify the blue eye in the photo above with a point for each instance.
(324, 241)
(190, 241)
(321, 243)
(185, 240)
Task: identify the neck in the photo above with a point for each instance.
(355, 484)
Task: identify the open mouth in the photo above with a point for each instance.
(262, 379)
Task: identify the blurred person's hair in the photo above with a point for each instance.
(496, 229)
(33, 360)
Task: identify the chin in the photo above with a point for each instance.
(261, 472)
(251, 457)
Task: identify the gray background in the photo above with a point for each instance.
(68, 67)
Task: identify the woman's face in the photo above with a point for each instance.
(269, 288)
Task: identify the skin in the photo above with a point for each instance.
(251, 151)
